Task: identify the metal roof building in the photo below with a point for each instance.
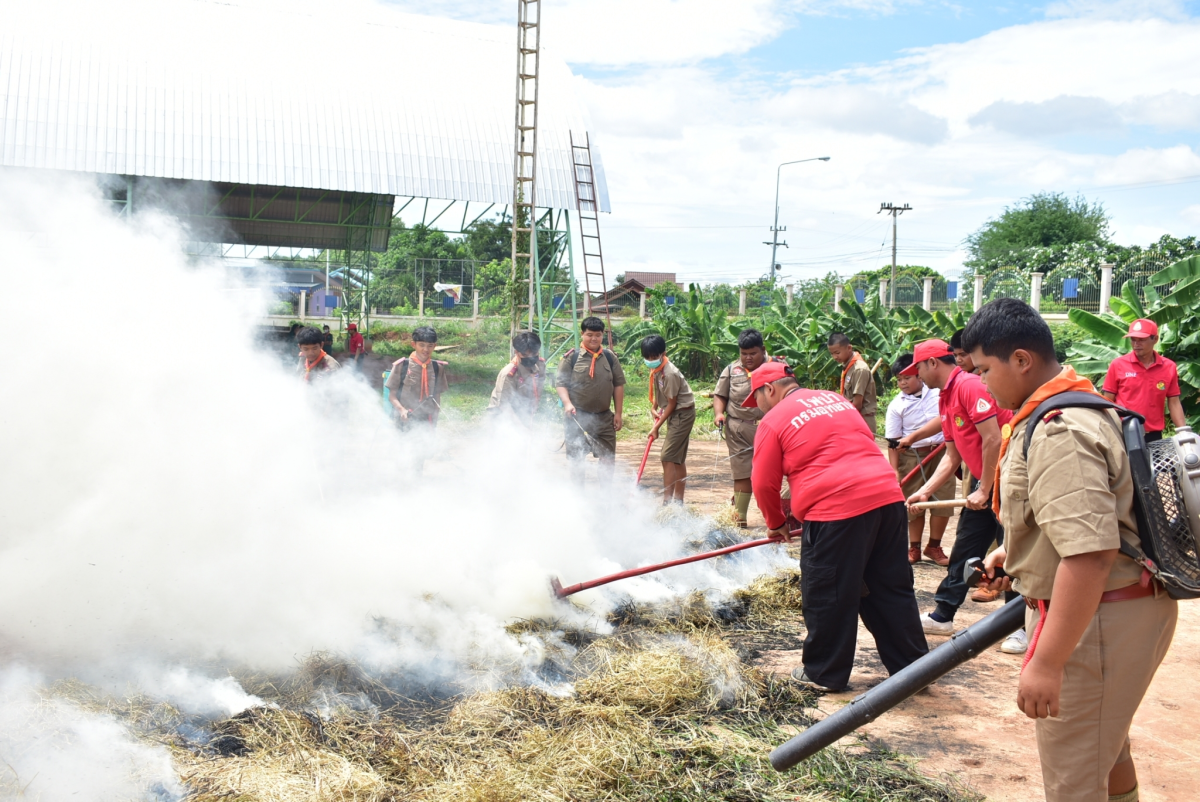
(302, 124)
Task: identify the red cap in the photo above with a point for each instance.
(765, 374)
(929, 349)
(352, 326)
(1143, 328)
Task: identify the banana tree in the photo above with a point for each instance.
(1172, 300)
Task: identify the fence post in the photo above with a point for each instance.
(883, 296)
(642, 305)
(927, 294)
(978, 292)
(421, 303)
(1035, 291)
(742, 302)
(837, 296)
(791, 292)
(474, 305)
(1106, 272)
(587, 304)
(303, 305)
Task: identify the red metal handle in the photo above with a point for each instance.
(646, 456)
(924, 462)
(562, 592)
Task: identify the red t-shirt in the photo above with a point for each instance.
(964, 403)
(833, 466)
(1143, 389)
(356, 343)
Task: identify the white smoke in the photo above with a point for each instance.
(52, 751)
(172, 494)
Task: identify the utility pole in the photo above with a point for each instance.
(775, 229)
(895, 211)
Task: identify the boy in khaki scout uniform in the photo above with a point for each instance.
(519, 384)
(314, 361)
(1104, 624)
(857, 384)
(591, 384)
(416, 384)
(673, 404)
(739, 421)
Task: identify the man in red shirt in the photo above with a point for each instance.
(971, 422)
(357, 348)
(1142, 380)
(854, 555)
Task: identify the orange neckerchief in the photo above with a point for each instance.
(424, 376)
(1064, 381)
(308, 366)
(653, 372)
(849, 364)
(595, 356)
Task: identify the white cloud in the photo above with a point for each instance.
(1065, 114)
(1118, 9)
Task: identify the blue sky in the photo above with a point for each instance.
(957, 109)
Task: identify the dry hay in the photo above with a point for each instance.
(663, 709)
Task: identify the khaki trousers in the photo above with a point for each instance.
(1103, 683)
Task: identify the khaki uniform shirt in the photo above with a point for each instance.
(734, 386)
(322, 368)
(519, 387)
(860, 381)
(410, 394)
(588, 393)
(1074, 496)
(670, 383)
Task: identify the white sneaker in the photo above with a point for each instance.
(932, 627)
(1016, 643)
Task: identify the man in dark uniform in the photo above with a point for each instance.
(591, 384)
(854, 556)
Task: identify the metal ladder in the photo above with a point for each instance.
(524, 220)
(588, 204)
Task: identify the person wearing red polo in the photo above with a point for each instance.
(971, 421)
(1143, 379)
(357, 346)
(854, 555)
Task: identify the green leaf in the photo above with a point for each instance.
(1183, 269)
(1129, 294)
(1186, 293)
(1093, 351)
(1123, 310)
(1105, 329)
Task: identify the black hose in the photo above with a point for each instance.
(964, 645)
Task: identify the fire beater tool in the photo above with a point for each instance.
(562, 593)
(920, 467)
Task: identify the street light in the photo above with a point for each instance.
(775, 229)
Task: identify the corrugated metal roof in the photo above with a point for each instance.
(400, 105)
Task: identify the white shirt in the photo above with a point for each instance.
(907, 413)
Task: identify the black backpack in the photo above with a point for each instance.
(1169, 547)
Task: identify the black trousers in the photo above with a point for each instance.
(975, 533)
(858, 567)
(1152, 437)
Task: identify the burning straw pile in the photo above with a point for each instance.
(662, 709)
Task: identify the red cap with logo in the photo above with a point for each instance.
(1142, 328)
(765, 374)
(352, 326)
(929, 349)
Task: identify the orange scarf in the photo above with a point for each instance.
(308, 366)
(653, 373)
(1064, 381)
(424, 376)
(849, 364)
(595, 356)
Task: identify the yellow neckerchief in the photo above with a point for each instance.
(424, 376)
(1063, 382)
(595, 356)
(654, 371)
(308, 366)
(849, 364)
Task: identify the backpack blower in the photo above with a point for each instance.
(1166, 477)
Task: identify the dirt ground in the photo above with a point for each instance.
(967, 726)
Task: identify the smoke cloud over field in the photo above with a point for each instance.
(173, 498)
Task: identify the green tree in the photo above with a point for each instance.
(488, 240)
(1043, 220)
